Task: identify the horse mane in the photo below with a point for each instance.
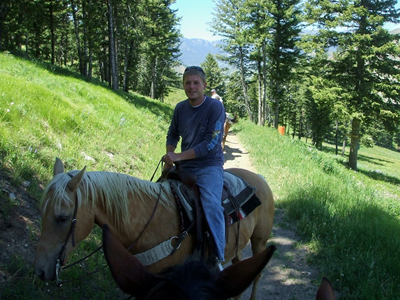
(112, 190)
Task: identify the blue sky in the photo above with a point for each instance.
(196, 14)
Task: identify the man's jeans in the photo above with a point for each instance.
(210, 181)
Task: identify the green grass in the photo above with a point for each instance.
(175, 96)
(84, 124)
(350, 220)
(48, 112)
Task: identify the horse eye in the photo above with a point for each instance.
(61, 219)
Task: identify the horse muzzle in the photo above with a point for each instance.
(46, 271)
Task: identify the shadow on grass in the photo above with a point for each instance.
(376, 175)
(349, 241)
(373, 160)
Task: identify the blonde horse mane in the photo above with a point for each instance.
(115, 191)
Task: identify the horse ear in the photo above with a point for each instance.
(76, 180)
(237, 277)
(58, 167)
(127, 271)
(325, 291)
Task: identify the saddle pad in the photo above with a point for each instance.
(237, 194)
(241, 199)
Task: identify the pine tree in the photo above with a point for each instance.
(229, 22)
(215, 78)
(366, 64)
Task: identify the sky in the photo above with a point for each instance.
(196, 14)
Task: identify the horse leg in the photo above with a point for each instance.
(257, 246)
(227, 125)
(237, 259)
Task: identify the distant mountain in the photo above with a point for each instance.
(194, 51)
(395, 31)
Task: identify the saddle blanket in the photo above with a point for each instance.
(238, 198)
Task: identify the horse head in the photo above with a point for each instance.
(63, 224)
(192, 280)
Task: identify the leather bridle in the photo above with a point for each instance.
(71, 231)
(70, 235)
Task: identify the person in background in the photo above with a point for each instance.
(199, 121)
(216, 96)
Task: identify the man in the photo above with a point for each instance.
(216, 96)
(199, 121)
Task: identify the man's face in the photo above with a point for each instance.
(194, 88)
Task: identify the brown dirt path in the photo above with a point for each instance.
(288, 275)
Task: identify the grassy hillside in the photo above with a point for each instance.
(46, 112)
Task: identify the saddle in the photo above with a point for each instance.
(238, 199)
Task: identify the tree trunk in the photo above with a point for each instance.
(112, 54)
(264, 86)
(277, 108)
(336, 136)
(259, 92)
(153, 79)
(344, 146)
(52, 33)
(244, 86)
(85, 42)
(354, 143)
(78, 43)
(126, 67)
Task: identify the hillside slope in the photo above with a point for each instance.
(48, 112)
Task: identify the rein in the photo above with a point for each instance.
(154, 210)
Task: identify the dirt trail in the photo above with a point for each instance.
(287, 276)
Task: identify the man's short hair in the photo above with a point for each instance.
(213, 91)
(195, 70)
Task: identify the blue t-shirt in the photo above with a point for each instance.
(201, 128)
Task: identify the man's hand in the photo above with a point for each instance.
(170, 158)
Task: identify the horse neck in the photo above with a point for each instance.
(126, 203)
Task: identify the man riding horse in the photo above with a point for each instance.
(199, 121)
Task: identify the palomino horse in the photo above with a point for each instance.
(227, 125)
(192, 280)
(141, 214)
